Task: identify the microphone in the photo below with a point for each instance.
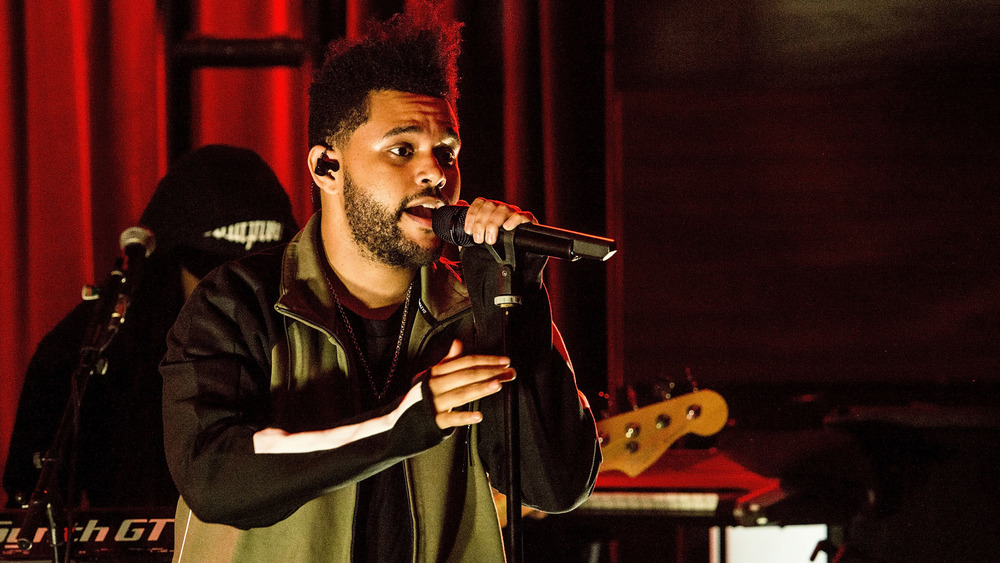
(135, 240)
(449, 226)
(137, 243)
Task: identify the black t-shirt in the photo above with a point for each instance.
(383, 530)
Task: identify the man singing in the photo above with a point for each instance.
(337, 399)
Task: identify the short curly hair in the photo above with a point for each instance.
(415, 51)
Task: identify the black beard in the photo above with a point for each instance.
(376, 230)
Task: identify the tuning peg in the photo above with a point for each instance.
(663, 388)
(690, 378)
(662, 421)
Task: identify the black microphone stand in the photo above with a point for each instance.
(508, 296)
(53, 497)
(449, 222)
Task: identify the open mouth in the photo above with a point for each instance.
(424, 210)
(419, 211)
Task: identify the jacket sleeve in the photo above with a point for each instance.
(559, 448)
(216, 386)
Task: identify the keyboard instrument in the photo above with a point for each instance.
(101, 535)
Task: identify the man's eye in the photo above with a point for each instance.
(445, 156)
(402, 150)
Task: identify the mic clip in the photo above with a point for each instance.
(506, 296)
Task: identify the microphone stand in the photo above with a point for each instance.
(47, 501)
(507, 298)
(448, 223)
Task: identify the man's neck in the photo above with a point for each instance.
(367, 287)
(372, 291)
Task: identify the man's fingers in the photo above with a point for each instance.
(468, 377)
(458, 418)
(465, 394)
(515, 220)
(485, 218)
(455, 350)
(449, 366)
(459, 380)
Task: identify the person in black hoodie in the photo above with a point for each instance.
(215, 204)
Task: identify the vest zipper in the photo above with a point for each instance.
(413, 510)
(354, 522)
(285, 311)
(434, 330)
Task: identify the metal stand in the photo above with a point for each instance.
(53, 497)
(507, 298)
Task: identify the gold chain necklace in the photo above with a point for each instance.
(357, 347)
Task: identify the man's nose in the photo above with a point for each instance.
(431, 174)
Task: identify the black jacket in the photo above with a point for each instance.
(259, 345)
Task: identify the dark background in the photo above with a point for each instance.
(808, 191)
(803, 192)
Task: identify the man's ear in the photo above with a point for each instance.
(324, 167)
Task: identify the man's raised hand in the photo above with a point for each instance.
(458, 380)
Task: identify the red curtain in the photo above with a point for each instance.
(84, 122)
(264, 109)
(85, 127)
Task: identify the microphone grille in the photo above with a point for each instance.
(449, 224)
(138, 235)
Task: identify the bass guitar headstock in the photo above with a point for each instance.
(634, 440)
